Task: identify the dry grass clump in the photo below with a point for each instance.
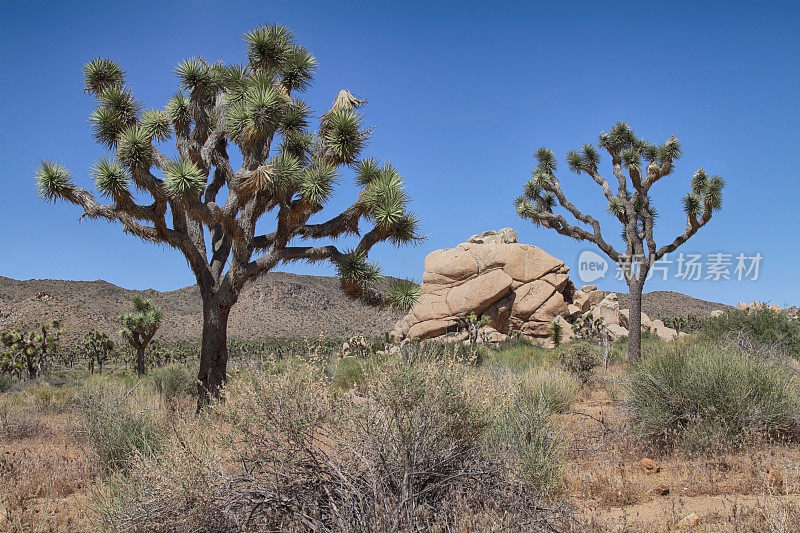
(413, 448)
(696, 396)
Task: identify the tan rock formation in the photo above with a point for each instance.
(517, 286)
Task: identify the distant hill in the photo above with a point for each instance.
(660, 304)
(276, 305)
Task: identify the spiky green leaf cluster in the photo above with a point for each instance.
(100, 74)
(692, 204)
(135, 147)
(316, 182)
(403, 294)
(118, 111)
(184, 181)
(258, 114)
(194, 74)
(344, 137)
(268, 45)
(111, 178)
(584, 161)
(157, 124)
(616, 207)
(297, 68)
(295, 117)
(547, 161)
(179, 112)
(386, 198)
(620, 136)
(356, 272)
(367, 170)
(52, 180)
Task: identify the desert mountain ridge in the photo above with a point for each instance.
(277, 304)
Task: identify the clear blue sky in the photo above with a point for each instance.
(461, 94)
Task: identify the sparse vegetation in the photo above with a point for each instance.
(580, 359)
(700, 395)
(760, 330)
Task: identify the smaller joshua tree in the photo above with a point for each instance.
(139, 328)
(636, 165)
(32, 349)
(98, 348)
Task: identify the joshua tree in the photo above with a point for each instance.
(33, 348)
(556, 333)
(98, 348)
(637, 165)
(199, 204)
(139, 327)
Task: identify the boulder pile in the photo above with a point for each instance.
(513, 287)
(517, 286)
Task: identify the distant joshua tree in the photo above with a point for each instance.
(645, 164)
(139, 328)
(98, 348)
(32, 350)
(201, 205)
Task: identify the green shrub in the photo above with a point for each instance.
(349, 373)
(518, 357)
(580, 359)
(171, 382)
(548, 391)
(758, 330)
(523, 427)
(115, 430)
(693, 395)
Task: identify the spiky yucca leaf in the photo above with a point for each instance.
(700, 182)
(316, 182)
(121, 101)
(194, 73)
(692, 205)
(547, 160)
(268, 45)
(265, 107)
(532, 189)
(403, 294)
(540, 179)
(386, 198)
(297, 144)
(184, 181)
(52, 180)
(405, 230)
(575, 161)
(106, 126)
(178, 111)
(630, 157)
(111, 178)
(295, 118)
(297, 68)
(616, 207)
(355, 272)
(344, 137)
(620, 136)
(591, 157)
(548, 201)
(670, 151)
(135, 147)
(157, 124)
(713, 194)
(100, 74)
(649, 151)
(367, 170)
(281, 174)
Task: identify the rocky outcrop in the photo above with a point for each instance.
(517, 286)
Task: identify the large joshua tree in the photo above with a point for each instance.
(198, 203)
(636, 165)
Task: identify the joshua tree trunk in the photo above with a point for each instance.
(634, 320)
(214, 351)
(140, 370)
